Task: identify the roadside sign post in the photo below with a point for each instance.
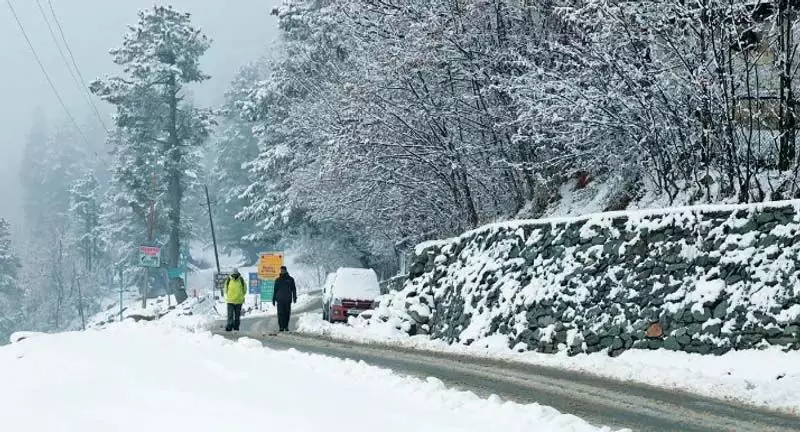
(219, 282)
(267, 290)
(254, 287)
(269, 265)
(269, 268)
(184, 265)
(121, 284)
(149, 257)
(168, 288)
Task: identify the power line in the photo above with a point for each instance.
(84, 84)
(44, 71)
(60, 51)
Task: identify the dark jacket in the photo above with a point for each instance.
(285, 290)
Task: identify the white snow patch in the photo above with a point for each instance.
(100, 380)
(22, 335)
(790, 315)
(637, 217)
(706, 291)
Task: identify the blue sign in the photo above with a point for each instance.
(175, 273)
(254, 287)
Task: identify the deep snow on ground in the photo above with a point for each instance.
(769, 378)
(132, 307)
(133, 376)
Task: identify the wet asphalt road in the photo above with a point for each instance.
(261, 324)
(597, 400)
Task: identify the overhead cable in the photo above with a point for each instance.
(84, 86)
(44, 72)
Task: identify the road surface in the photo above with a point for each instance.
(267, 324)
(597, 400)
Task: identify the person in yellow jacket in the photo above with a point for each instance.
(235, 291)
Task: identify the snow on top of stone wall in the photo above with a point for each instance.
(684, 215)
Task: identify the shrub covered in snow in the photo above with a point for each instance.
(696, 279)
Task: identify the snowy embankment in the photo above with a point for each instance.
(193, 314)
(768, 378)
(129, 375)
(303, 301)
(608, 288)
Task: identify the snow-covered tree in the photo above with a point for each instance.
(11, 296)
(407, 120)
(158, 133)
(54, 158)
(233, 146)
(84, 214)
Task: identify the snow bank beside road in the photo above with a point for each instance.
(303, 301)
(124, 376)
(22, 335)
(768, 378)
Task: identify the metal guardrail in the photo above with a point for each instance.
(393, 284)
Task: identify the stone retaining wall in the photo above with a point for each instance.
(698, 279)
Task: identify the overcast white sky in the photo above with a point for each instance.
(241, 30)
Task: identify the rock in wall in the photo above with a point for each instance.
(696, 279)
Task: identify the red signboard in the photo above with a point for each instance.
(150, 250)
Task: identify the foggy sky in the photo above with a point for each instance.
(242, 30)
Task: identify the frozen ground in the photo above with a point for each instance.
(767, 378)
(128, 375)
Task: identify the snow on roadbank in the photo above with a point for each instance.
(129, 375)
(768, 378)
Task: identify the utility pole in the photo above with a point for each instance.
(150, 223)
(213, 234)
(121, 284)
(213, 239)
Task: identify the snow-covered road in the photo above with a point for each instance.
(130, 377)
(598, 400)
(268, 322)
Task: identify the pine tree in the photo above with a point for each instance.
(158, 132)
(84, 214)
(11, 297)
(234, 146)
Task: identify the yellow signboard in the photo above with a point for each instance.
(269, 265)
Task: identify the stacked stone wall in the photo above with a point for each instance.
(702, 279)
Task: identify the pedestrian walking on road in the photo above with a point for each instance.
(284, 295)
(235, 291)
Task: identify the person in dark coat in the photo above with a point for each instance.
(284, 295)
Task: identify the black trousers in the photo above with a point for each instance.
(284, 312)
(234, 314)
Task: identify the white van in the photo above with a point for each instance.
(348, 292)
